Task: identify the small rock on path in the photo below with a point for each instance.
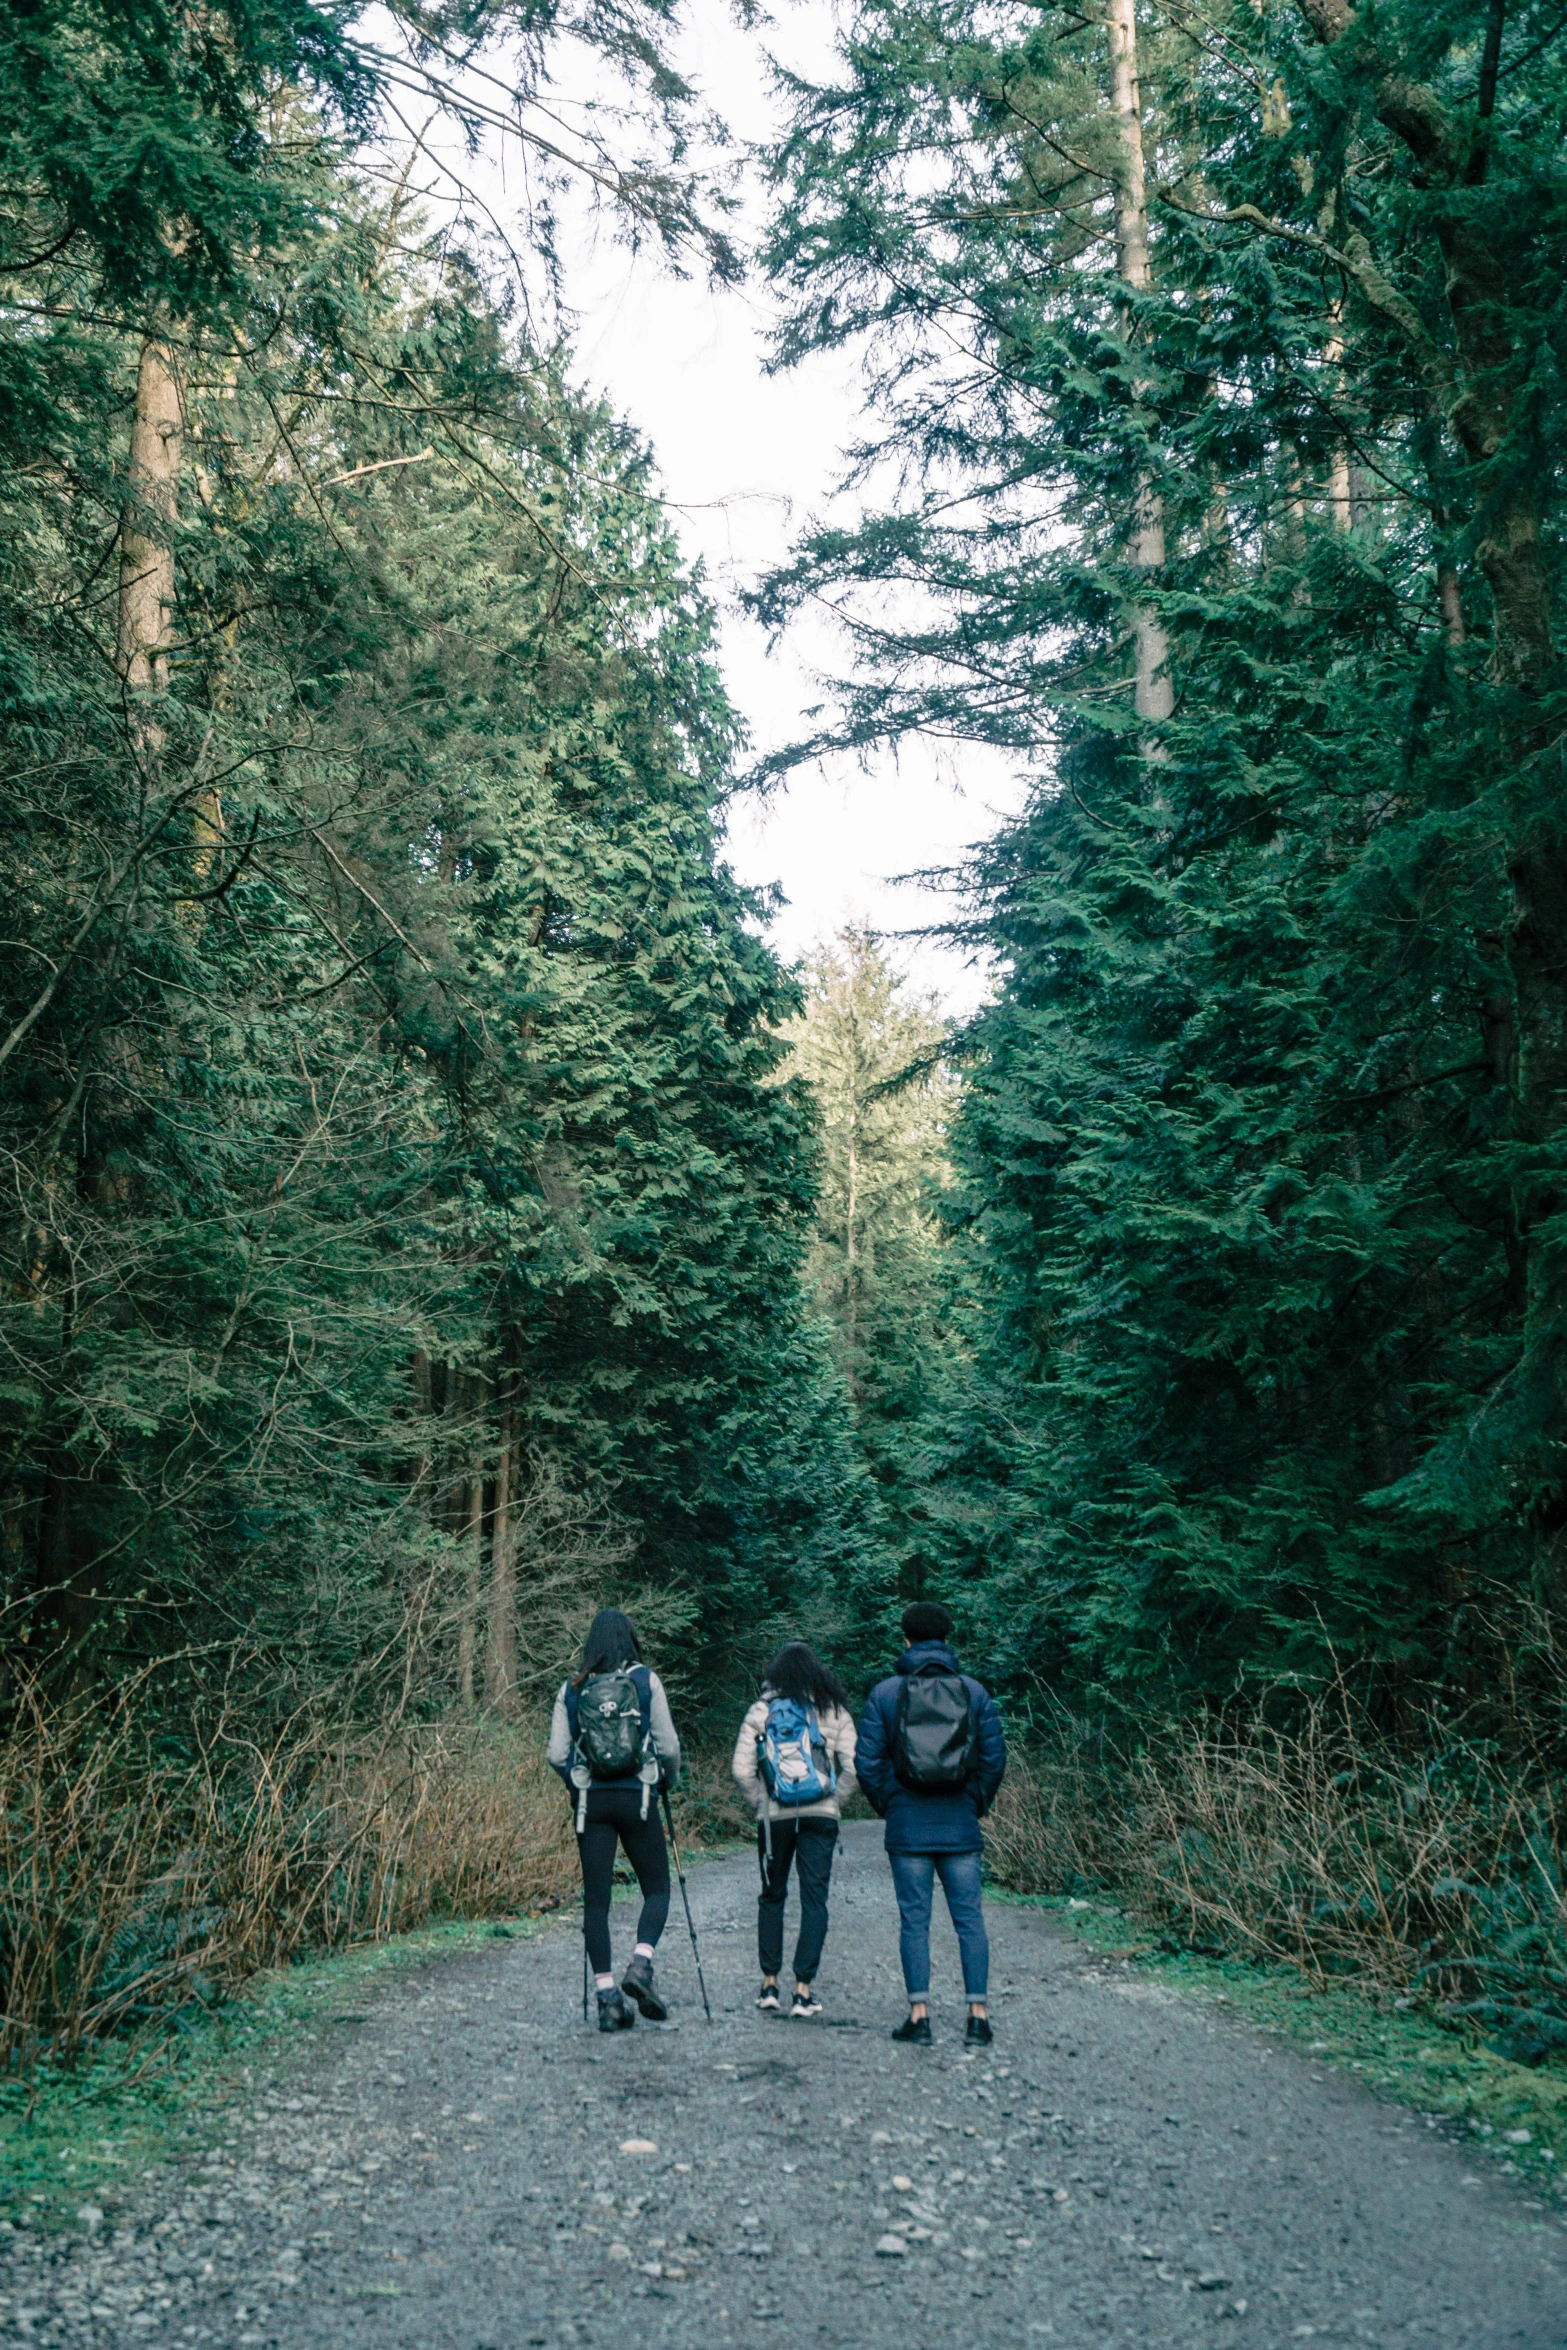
(1124, 2170)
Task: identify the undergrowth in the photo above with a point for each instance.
(1399, 1905)
(1433, 1868)
(138, 1891)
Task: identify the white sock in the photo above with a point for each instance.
(643, 1950)
(603, 1982)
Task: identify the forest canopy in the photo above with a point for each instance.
(1216, 364)
(405, 1209)
(430, 1200)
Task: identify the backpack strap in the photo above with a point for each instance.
(652, 1770)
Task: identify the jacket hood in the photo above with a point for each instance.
(927, 1652)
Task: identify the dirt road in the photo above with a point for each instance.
(1125, 2168)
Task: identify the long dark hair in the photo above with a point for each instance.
(611, 1641)
(798, 1672)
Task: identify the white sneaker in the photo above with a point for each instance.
(768, 1998)
(806, 2003)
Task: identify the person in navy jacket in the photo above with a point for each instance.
(934, 1831)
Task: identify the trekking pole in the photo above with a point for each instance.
(686, 1898)
(584, 1982)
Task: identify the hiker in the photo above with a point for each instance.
(612, 1741)
(931, 1755)
(794, 1760)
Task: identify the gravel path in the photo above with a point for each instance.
(1124, 2168)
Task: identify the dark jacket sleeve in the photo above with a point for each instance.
(872, 1759)
(992, 1764)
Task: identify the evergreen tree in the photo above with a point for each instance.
(872, 1054)
(399, 1170)
(1214, 359)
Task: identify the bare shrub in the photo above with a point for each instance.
(1055, 1825)
(132, 1887)
(1437, 1867)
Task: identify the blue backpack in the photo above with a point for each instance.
(792, 1754)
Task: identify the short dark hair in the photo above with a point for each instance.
(926, 1619)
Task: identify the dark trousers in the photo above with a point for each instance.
(615, 1817)
(809, 1844)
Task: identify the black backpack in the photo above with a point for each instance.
(934, 1739)
(611, 1725)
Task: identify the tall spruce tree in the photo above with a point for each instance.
(1222, 354)
(872, 1052)
(398, 1168)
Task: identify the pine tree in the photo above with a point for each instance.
(400, 1174)
(872, 1053)
(1260, 1151)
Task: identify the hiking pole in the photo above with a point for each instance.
(584, 1982)
(686, 1898)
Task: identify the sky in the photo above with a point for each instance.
(747, 459)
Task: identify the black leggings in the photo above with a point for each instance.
(615, 1816)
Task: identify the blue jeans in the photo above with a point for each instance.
(914, 1881)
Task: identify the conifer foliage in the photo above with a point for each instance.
(1218, 351)
(404, 1208)
(873, 1053)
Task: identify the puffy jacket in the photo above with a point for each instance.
(929, 1819)
(837, 1733)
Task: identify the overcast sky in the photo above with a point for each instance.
(747, 459)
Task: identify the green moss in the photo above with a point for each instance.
(83, 2135)
(1401, 2053)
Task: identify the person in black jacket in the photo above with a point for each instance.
(934, 1830)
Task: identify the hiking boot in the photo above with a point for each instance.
(805, 2003)
(768, 1997)
(979, 2033)
(637, 1983)
(614, 2014)
(918, 2033)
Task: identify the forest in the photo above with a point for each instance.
(433, 1206)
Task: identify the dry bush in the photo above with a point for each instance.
(711, 1808)
(131, 1888)
(1438, 1868)
(1053, 1826)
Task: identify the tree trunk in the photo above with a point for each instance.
(473, 1542)
(147, 533)
(1153, 692)
(500, 1647)
(1451, 602)
(1340, 502)
(464, 1395)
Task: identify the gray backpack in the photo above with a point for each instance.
(934, 1739)
(612, 1725)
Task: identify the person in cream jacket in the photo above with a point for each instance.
(799, 1835)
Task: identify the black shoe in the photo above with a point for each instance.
(614, 2014)
(637, 1984)
(979, 2033)
(919, 2032)
(767, 1998)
